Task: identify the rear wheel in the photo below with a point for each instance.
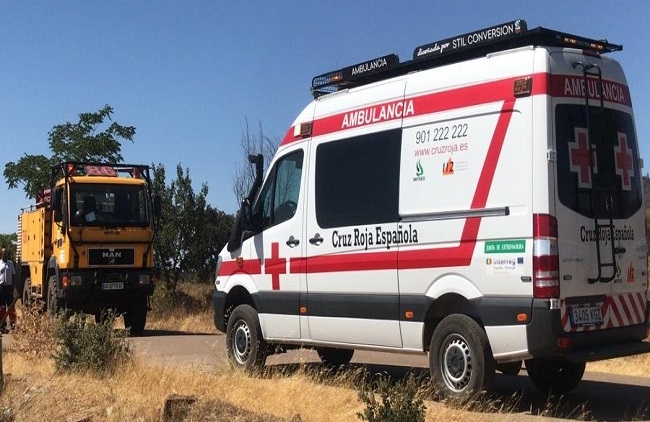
(135, 317)
(460, 359)
(245, 346)
(554, 376)
(335, 357)
(26, 294)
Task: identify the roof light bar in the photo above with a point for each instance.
(454, 49)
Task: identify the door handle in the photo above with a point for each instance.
(292, 242)
(316, 240)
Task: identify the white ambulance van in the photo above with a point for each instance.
(481, 202)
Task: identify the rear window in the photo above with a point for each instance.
(612, 187)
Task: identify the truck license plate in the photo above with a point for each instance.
(115, 285)
(586, 315)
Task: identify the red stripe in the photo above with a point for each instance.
(248, 266)
(456, 256)
(572, 86)
(559, 86)
(634, 308)
(482, 93)
(613, 307)
(621, 300)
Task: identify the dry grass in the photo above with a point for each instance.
(191, 311)
(34, 392)
(136, 391)
(637, 366)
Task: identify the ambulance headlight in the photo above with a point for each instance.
(216, 273)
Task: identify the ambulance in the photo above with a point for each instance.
(480, 202)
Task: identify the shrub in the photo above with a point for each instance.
(186, 298)
(33, 335)
(400, 401)
(90, 348)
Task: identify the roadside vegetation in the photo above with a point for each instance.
(71, 369)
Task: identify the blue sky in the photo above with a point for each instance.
(188, 74)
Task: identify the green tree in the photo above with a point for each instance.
(81, 141)
(190, 232)
(8, 241)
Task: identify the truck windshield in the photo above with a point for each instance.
(108, 205)
(613, 187)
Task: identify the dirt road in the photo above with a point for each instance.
(605, 396)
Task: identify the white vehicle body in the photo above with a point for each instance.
(463, 188)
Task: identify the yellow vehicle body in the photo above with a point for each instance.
(87, 245)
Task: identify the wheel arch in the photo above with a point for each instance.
(238, 295)
(451, 294)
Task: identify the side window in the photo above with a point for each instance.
(278, 200)
(357, 180)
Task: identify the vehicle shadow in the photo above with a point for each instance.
(165, 333)
(591, 400)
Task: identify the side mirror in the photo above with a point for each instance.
(56, 201)
(240, 227)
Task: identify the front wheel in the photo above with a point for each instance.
(245, 346)
(460, 358)
(135, 317)
(554, 376)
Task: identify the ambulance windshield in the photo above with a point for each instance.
(612, 188)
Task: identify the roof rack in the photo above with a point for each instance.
(450, 50)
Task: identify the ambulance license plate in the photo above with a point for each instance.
(115, 285)
(586, 315)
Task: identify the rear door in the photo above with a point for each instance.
(599, 201)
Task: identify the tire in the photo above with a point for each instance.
(554, 376)
(53, 303)
(245, 346)
(460, 359)
(26, 294)
(335, 357)
(509, 368)
(135, 317)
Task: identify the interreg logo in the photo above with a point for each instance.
(419, 172)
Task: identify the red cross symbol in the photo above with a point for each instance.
(579, 158)
(624, 164)
(275, 266)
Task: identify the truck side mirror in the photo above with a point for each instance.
(56, 205)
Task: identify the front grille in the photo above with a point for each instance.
(111, 256)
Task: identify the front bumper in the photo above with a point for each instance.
(92, 291)
(218, 305)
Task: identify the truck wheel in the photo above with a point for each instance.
(26, 294)
(245, 346)
(333, 357)
(135, 317)
(554, 376)
(53, 303)
(460, 359)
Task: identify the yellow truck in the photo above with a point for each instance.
(87, 244)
